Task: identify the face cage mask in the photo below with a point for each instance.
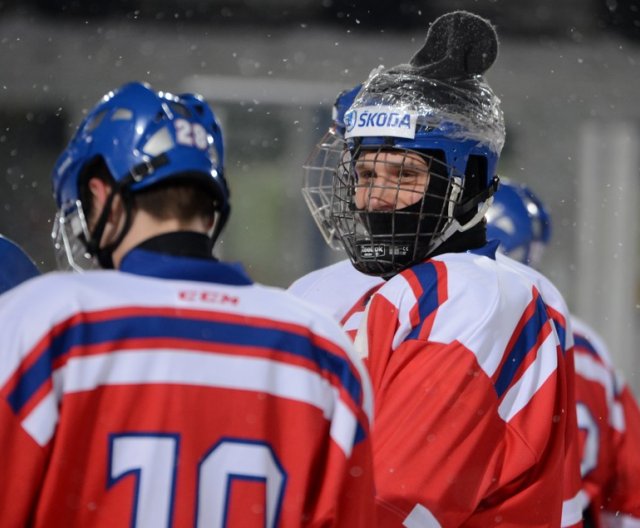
(69, 234)
(410, 225)
(317, 189)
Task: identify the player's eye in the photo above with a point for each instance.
(364, 174)
(408, 175)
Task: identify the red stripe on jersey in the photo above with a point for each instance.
(529, 311)
(557, 317)
(179, 313)
(188, 345)
(531, 355)
(104, 316)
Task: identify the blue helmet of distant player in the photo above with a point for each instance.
(143, 138)
(519, 221)
(15, 265)
(341, 106)
(437, 108)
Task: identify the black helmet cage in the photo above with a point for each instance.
(384, 242)
(458, 130)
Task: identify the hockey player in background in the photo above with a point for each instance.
(471, 385)
(608, 415)
(171, 390)
(15, 265)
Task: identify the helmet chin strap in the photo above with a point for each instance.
(104, 254)
(140, 171)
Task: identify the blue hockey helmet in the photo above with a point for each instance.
(438, 108)
(15, 265)
(519, 220)
(341, 106)
(143, 138)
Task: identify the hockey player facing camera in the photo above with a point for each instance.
(170, 390)
(471, 384)
(607, 412)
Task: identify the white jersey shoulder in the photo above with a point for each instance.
(30, 311)
(336, 288)
(483, 306)
(550, 293)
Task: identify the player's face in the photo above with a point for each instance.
(388, 180)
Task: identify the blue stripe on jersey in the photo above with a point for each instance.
(562, 335)
(428, 278)
(582, 343)
(94, 333)
(525, 342)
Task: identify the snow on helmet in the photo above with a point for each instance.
(438, 107)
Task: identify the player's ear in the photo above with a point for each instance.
(99, 191)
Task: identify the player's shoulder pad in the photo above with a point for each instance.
(16, 265)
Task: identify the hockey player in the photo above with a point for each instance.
(15, 265)
(608, 415)
(470, 382)
(344, 291)
(171, 390)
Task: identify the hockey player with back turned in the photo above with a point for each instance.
(171, 390)
(468, 372)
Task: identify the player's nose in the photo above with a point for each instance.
(379, 196)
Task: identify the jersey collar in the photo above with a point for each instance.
(488, 250)
(148, 263)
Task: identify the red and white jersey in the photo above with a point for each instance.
(574, 498)
(609, 422)
(340, 289)
(470, 391)
(470, 397)
(134, 399)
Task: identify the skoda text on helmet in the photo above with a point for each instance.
(519, 220)
(320, 167)
(143, 138)
(439, 109)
